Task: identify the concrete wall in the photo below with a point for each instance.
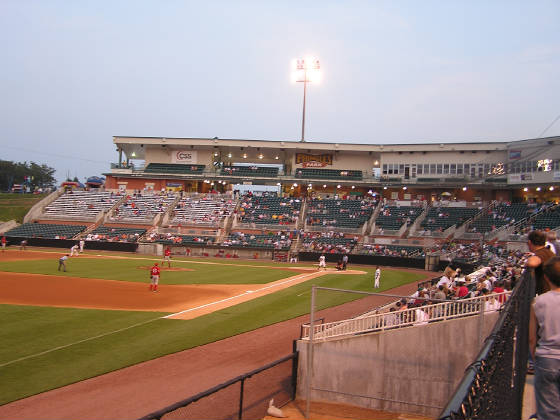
(409, 370)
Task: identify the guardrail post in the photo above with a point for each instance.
(241, 399)
(310, 352)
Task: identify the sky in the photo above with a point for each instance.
(76, 73)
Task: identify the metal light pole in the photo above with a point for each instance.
(306, 70)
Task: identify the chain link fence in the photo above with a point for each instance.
(492, 387)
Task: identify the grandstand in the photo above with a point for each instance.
(208, 210)
(80, 205)
(141, 209)
(46, 230)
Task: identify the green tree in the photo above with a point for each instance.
(38, 176)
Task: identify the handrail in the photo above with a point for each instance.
(388, 320)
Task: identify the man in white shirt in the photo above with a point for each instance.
(322, 263)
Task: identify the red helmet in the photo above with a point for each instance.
(155, 264)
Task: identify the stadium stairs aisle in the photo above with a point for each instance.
(135, 391)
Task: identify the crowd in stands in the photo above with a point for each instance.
(269, 209)
(331, 242)
(339, 213)
(142, 207)
(393, 217)
(208, 210)
(393, 250)
(115, 234)
(281, 240)
(177, 239)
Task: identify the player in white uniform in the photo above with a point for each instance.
(82, 243)
(377, 277)
(322, 263)
(74, 251)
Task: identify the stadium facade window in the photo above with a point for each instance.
(439, 168)
(446, 168)
(453, 168)
(419, 168)
(459, 169)
(432, 168)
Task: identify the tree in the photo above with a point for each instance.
(31, 174)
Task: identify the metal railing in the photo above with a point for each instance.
(243, 397)
(492, 387)
(407, 317)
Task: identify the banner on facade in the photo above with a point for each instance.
(310, 161)
(184, 156)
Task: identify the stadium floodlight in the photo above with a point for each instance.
(306, 70)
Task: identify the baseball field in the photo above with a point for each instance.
(61, 327)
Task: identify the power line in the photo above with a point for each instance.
(551, 124)
(21, 149)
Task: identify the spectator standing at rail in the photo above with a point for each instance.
(154, 277)
(377, 278)
(544, 343)
(552, 242)
(536, 240)
(62, 262)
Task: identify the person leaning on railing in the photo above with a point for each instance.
(544, 343)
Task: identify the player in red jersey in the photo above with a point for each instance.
(154, 277)
(167, 257)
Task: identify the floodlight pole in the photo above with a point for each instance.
(304, 96)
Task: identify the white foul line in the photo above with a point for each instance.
(240, 295)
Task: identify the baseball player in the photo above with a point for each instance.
(3, 243)
(23, 245)
(322, 263)
(167, 257)
(74, 251)
(154, 277)
(377, 277)
(82, 243)
(62, 262)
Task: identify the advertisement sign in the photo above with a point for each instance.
(307, 159)
(514, 154)
(184, 156)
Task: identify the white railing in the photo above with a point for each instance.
(408, 317)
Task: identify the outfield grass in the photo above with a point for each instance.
(28, 331)
(137, 270)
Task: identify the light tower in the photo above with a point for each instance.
(306, 70)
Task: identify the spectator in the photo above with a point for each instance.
(536, 241)
(544, 343)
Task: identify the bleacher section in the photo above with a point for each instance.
(141, 208)
(328, 245)
(547, 219)
(393, 250)
(393, 217)
(208, 210)
(269, 209)
(339, 213)
(115, 234)
(442, 218)
(49, 231)
(239, 239)
(501, 215)
(80, 205)
(174, 168)
(250, 171)
(340, 174)
(176, 239)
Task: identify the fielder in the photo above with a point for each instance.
(322, 262)
(3, 243)
(154, 277)
(74, 251)
(377, 277)
(62, 262)
(167, 257)
(82, 243)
